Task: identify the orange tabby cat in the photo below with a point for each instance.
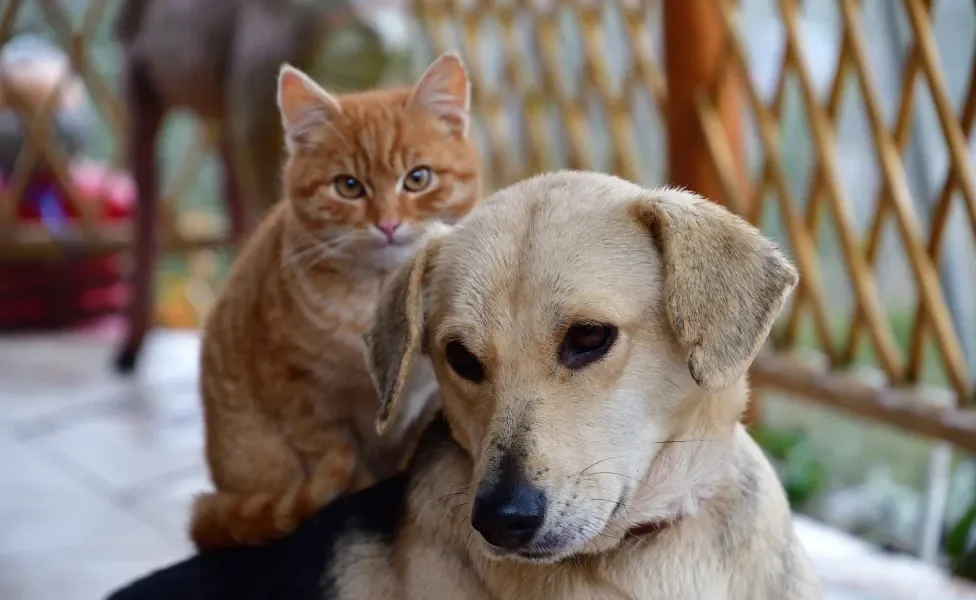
(288, 403)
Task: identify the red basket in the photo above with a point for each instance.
(74, 291)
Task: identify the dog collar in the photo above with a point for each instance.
(652, 527)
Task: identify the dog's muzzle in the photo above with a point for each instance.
(509, 513)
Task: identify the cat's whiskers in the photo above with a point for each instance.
(311, 250)
(303, 258)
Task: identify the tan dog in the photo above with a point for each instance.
(591, 340)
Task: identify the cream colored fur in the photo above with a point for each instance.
(648, 433)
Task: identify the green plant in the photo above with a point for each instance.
(958, 548)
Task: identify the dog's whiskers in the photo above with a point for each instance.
(450, 514)
(583, 472)
(467, 545)
(459, 523)
(639, 481)
(443, 498)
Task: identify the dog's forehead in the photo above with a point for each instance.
(553, 239)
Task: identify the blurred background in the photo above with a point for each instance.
(842, 128)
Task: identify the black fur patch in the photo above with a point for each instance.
(435, 439)
(294, 567)
(290, 568)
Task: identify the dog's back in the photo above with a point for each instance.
(292, 567)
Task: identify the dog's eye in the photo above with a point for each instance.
(465, 364)
(586, 343)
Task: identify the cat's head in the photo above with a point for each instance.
(376, 168)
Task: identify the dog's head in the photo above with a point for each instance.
(578, 323)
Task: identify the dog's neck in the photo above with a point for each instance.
(685, 474)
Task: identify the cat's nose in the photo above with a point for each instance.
(388, 227)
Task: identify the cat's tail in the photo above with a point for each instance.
(225, 519)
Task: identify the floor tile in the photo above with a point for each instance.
(82, 573)
(44, 508)
(42, 375)
(153, 432)
(165, 503)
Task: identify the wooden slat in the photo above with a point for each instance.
(74, 41)
(959, 156)
(815, 205)
(860, 276)
(573, 116)
(40, 145)
(900, 200)
(940, 218)
(615, 104)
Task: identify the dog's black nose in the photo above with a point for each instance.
(509, 513)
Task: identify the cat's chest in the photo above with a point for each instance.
(329, 319)
(339, 306)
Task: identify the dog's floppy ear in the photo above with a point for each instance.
(395, 335)
(724, 282)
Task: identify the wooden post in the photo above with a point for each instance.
(694, 48)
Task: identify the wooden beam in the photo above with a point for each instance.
(34, 242)
(913, 409)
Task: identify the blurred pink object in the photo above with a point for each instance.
(114, 189)
(77, 291)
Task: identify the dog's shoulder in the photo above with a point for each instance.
(370, 556)
(433, 442)
(756, 533)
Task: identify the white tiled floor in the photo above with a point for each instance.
(96, 472)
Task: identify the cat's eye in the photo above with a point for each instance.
(417, 180)
(349, 187)
(586, 343)
(463, 362)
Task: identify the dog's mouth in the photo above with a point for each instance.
(574, 531)
(537, 553)
(540, 557)
(553, 546)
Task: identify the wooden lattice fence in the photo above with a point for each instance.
(565, 84)
(585, 84)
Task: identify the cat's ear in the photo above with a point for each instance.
(395, 335)
(305, 107)
(445, 92)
